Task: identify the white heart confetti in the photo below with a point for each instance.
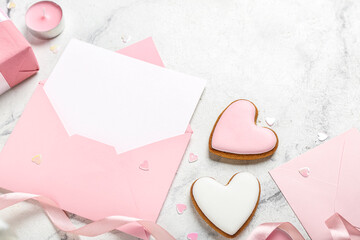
(322, 136)
(125, 39)
(270, 121)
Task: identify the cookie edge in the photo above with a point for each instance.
(213, 225)
(241, 156)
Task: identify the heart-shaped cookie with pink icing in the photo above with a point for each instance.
(236, 136)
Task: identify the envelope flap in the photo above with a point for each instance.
(80, 174)
(348, 192)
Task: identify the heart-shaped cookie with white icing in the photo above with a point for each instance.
(236, 136)
(227, 208)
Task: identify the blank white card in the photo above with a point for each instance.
(118, 100)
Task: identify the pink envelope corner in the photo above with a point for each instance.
(17, 59)
(86, 177)
(331, 187)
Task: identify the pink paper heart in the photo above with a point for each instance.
(305, 171)
(193, 158)
(144, 166)
(180, 208)
(192, 236)
(236, 132)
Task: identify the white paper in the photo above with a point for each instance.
(4, 86)
(3, 16)
(118, 100)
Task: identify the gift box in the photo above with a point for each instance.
(17, 59)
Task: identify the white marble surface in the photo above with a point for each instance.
(297, 60)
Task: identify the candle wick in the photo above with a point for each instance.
(44, 13)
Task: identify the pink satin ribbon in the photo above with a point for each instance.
(263, 231)
(61, 220)
(341, 229)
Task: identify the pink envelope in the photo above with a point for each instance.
(332, 185)
(84, 176)
(17, 59)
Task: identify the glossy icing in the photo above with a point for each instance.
(227, 207)
(236, 131)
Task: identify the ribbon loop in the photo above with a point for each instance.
(341, 229)
(62, 222)
(263, 231)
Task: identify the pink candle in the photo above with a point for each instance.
(44, 19)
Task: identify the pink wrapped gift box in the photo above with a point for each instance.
(17, 59)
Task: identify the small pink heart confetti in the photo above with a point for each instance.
(144, 166)
(193, 158)
(305, 171)
(192, 236)
(180, 208)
